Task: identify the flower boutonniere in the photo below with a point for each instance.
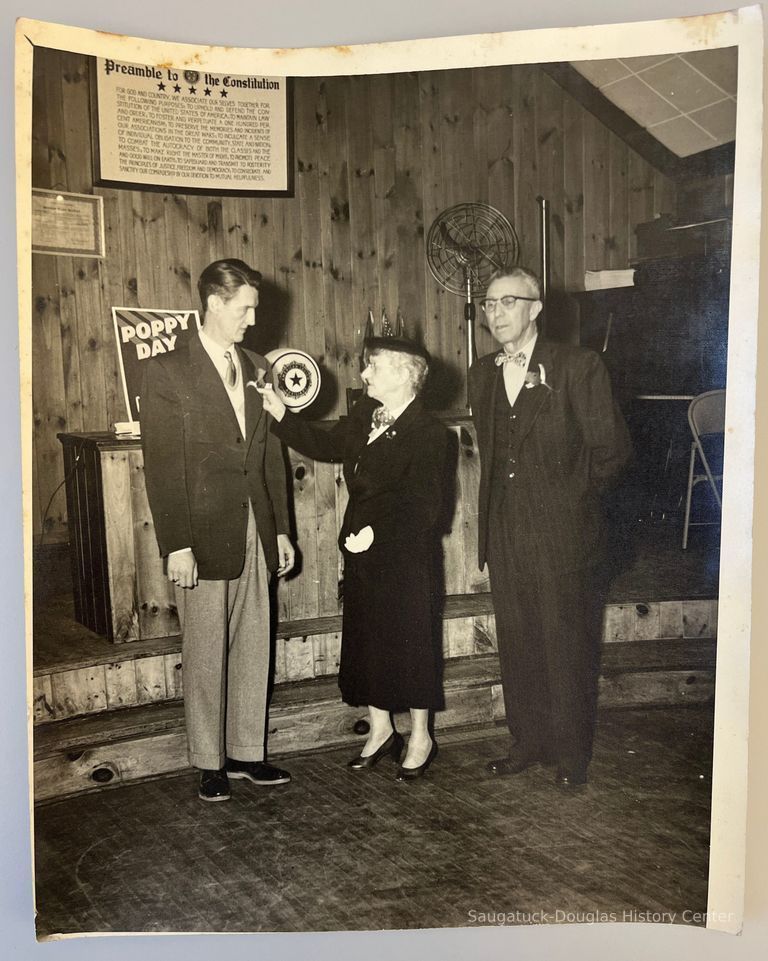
(260, 383)
(536, 379)
(391, 433)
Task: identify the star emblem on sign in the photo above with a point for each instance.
(295, 379)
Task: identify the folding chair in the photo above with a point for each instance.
(706, 417)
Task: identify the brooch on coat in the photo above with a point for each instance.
(534, 379)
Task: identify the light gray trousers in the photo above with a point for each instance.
(225, 661)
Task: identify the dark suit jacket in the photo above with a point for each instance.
(200, 471)
(572, 443)
(394, 482)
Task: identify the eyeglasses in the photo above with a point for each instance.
(507, 302)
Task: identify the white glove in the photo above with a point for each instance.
(357, 543)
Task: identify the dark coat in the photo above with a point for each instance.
(200, 471)
(390, 654)
(572, 443)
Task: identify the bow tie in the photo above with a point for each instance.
(519, 359)
(382, 417)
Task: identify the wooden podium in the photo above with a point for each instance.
(119, 586)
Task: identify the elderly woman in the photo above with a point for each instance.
(393, 454)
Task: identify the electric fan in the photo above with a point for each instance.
(465, 245)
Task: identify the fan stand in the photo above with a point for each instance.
(469, 319)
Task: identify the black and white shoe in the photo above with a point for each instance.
(257, 772)
(214, 786)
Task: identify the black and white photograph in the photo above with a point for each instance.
(388, 472)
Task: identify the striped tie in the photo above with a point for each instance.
(231, 372)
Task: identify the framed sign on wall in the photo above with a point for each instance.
(67, 224)
(191, 131)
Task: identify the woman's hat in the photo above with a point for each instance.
(392, 338)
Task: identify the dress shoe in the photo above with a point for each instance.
(411, 773)
(570, 779)
(214, 786)
(393, 746)
(257, 772)
(513, 764)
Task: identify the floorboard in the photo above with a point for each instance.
(337, 850)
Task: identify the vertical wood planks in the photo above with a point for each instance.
(549, 138)
(113, 295)
(118, 522)
(342, 498)
(381, 92)
(76, 116)
(151, 249)
(442, 310)
(573, 194)
(95, 337)
(327, 528)
(174, 685)
(197, 244)
(313, 308)
(42, 699)
(377, 159)
(456, 564)
(360, 176)
(596, 197)
(120, 678)
(155, 600)
(299, 658)
(340, 340)
(41, 160)
(49, 408)
(180, 295)
(302, 590)
(79, 692)
(327, 652)
(640, 197)
(150, 679)
(618, 210)
(468, 488)
(527, 186)
(495, 134)
(410, 218)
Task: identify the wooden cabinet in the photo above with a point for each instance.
(119, 586)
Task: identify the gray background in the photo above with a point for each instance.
(312, 23)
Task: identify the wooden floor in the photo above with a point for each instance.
(339, 850)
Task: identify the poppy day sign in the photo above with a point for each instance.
(142, 335)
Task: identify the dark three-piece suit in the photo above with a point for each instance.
(546, 460)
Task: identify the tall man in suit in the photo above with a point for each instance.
(217, 491)
(551, 440)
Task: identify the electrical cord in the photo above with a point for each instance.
(55, 492)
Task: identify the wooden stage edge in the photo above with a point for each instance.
(61, 643)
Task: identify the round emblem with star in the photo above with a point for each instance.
(297, 377)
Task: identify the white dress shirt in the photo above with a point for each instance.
(236, 394)
(514, 375)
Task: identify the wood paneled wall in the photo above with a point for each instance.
(377, 158)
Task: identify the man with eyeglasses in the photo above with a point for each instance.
(551, 440)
